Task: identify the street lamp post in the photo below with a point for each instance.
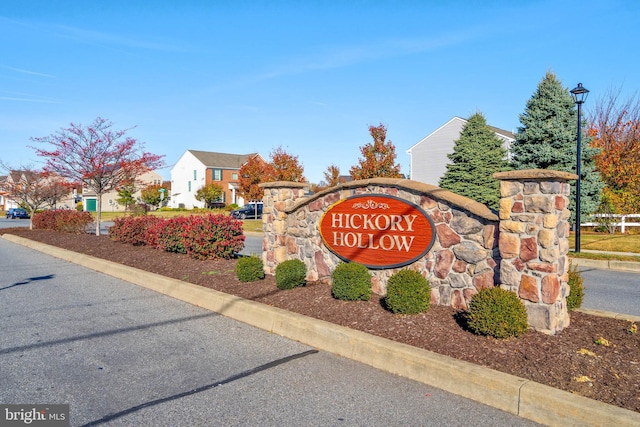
(579, 95)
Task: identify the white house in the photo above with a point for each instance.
(194, 169)
(429, 156)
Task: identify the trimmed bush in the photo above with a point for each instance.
(132, 230)
(213, 236)
(250, 269)
(167, 234)
(290, 274)
(66, 221)
(351, 282)
(201, 237)
(408, 293)
(576, 289)
(498, 313)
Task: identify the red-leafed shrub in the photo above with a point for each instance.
(67, 221)
(167, 234)
(132, 230)
(213, 236)
(201, 237)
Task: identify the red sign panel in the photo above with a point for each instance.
(377, 230)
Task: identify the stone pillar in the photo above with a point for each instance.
(533, 243)
(277, 197)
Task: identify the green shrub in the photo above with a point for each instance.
(498, 313)
(576, 289)
(351, 282)
(249, 269)
(290, 274)
(408, 293)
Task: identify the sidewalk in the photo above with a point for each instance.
(522, 397)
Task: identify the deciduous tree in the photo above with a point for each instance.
(209, 194)
(546, 139)
(285, 167)
(332, 175)
(477, 155)
(151, 195)
(98, 156)
(378, 158)
(35, 189)
(615, 128)
(252, 174)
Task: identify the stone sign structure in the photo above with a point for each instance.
(522, 248)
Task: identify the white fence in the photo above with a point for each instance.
(613, 220)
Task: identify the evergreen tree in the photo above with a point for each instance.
(477, 155)
(547, 139)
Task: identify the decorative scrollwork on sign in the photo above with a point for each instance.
(370, 204)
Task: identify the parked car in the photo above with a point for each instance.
(248, 211)
(14, 213)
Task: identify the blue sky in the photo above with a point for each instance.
(310, 76)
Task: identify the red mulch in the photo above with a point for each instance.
(570, 360)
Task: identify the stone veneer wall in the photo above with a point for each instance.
(524, 249)
(534, 231)
(461, 261)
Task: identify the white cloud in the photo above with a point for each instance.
(22, 71)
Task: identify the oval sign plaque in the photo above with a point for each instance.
(377, 230)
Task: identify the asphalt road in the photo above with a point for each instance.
(608, 290)
(123, 355)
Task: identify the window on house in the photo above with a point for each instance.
(216, 174)
(195, 175)
(189, 186)
(234, 176)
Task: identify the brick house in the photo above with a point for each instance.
(195, 169)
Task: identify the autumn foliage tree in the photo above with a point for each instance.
(209, 194)
(151, 194)
(332, 175)
(378, 158)
(285, 167)
(101, 158)
(615, 129)
(35, 189)
(251, 174)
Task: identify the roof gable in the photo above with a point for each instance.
(222, 160)
(456, 124)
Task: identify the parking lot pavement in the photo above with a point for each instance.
(119, 354)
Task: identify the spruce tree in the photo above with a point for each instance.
(477, 155)
(547, 139)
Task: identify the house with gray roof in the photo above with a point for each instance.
(195, 169)
(429, 155)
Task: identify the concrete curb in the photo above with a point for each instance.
(602, 313)
(525, 398)
(604, 264)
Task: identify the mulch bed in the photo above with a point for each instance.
(570, 360)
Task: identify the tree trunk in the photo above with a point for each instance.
(98, 212)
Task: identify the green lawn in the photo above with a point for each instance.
(608, 242)
(629, 243)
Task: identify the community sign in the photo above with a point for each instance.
(378, 231)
